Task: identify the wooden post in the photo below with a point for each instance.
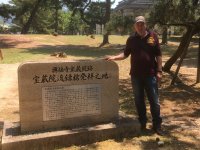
(1, 132)
(198, 63)
(1, 54)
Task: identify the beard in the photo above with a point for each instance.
(142, 33)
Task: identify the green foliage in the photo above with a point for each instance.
(91, 12)
(71, 24)
(48, 18)
(96, 12)
(44, 21)
(22, 10)
(175, 12)
(120, 24)
(5, 11)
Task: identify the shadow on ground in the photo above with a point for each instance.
(180, 117)
(73, 50)
(8, 42)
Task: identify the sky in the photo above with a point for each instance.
(4, 1)
(113, 6)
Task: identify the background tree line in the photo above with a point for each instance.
(81, 16)
(58, 16)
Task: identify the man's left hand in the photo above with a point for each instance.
(159, 77)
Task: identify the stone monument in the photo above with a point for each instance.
(67, 103)
(67, 94)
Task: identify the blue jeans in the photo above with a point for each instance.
(148, 85)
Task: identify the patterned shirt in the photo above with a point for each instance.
(143, 53)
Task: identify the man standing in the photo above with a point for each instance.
(146, 71)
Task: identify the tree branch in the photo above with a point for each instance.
(86, 5)
(107, 14)
(83, 15)
(186, 24)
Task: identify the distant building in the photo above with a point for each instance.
(130, 8)
(134, 7)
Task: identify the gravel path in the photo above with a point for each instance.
(9, 99)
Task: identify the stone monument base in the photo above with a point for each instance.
(123, 127)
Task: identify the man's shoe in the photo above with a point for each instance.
(159, 131)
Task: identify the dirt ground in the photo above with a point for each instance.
(180, 108)
(9, 102)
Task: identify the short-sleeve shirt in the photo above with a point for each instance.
(143, 53)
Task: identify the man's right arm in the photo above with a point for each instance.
(120, 56)
(126, 52)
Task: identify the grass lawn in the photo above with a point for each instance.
(18, 48)
(180, 104)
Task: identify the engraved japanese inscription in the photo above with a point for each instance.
(61, 102)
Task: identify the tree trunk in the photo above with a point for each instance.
(106, 38)
(198, 65)
(28, 24)
(56, 15)
(164, 35)
(185, 50)
(183, 45)
(107, 18)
